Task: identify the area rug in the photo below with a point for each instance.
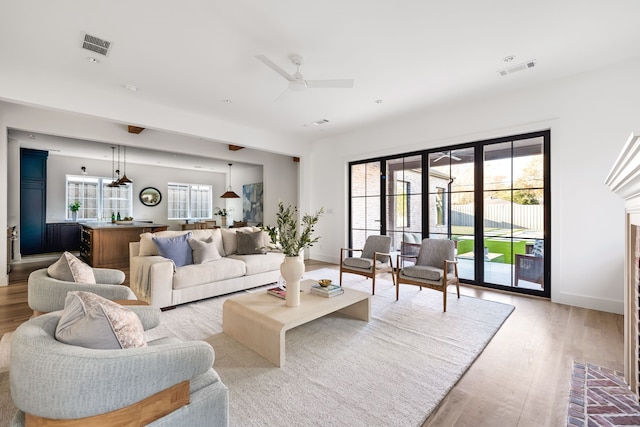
(600, 397)
(392, 370)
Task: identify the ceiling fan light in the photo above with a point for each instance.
(297, 85)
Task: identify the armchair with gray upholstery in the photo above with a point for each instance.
(46, 294)
(167, 383)
(374, 259)
(435, 268)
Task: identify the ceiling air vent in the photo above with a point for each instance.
(516, 68)
(321, 122)
(96, 44)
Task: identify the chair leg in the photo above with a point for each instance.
(373, 286)
(341, 277)
(444, 300)
(458, 288)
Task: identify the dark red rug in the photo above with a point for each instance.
(600, 397)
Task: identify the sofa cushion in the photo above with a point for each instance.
(71, 269)
(250, 242)
(175, 248)
(88, 320)
(148, 248)
(230, 241)
(210, 233)
(260, 263)
(198, 274)
(204, 250)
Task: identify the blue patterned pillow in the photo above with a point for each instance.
(175, 248)
(538, 249)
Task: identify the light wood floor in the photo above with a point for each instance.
(521, 379)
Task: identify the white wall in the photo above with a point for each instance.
(590, 117)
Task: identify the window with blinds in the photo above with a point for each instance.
(189, 201)
(97, 200)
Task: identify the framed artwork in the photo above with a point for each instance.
(252, 203)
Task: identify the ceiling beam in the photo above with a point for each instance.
(135, 129)
(235, 147)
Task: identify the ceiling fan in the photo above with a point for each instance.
(297, 82)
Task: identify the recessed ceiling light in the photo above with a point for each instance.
(93, 60)
(226, 101)
(132, 88)
(320, 122)
(378, 101)
(31, 136)
(509, 58)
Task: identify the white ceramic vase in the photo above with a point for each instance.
(74, 216)
(292, 270)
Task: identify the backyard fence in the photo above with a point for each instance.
(529, 217)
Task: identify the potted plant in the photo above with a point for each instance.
(222, 213)
(286, 236)
(74, 207)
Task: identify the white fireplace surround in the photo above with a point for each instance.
(624, 180)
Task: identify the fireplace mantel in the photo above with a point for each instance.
(624, 180)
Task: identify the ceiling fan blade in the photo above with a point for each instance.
(340, 83)
(275, 67)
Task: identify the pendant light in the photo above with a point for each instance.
(114, 182)
(229, 194)
(124, 180)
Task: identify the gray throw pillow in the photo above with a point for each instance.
(204, 250)
(71, 269)
(250, 243)
(91, 321)
(175, 248)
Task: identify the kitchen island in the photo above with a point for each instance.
(106, 245)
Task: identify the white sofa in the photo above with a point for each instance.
(158, 281)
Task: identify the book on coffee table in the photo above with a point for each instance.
(277, 291)
(327, 291)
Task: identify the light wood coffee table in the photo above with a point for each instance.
(259, 320)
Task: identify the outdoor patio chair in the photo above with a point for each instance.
(435, 268)
(530, 266)
(374, 259)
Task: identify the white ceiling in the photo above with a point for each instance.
(412, 55)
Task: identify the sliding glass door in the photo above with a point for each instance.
(513, 215)
(451, 204)
(366, 202)
(490, 197)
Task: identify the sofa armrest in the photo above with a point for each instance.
(108, 276)
(61, 381)
(149, 316)
(46, 294)
(152, 279)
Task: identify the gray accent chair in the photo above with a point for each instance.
(434, 267)
(53, 380)
(46, 294)
(375, 258)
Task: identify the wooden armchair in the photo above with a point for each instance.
(435, 268)
(375, 259)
